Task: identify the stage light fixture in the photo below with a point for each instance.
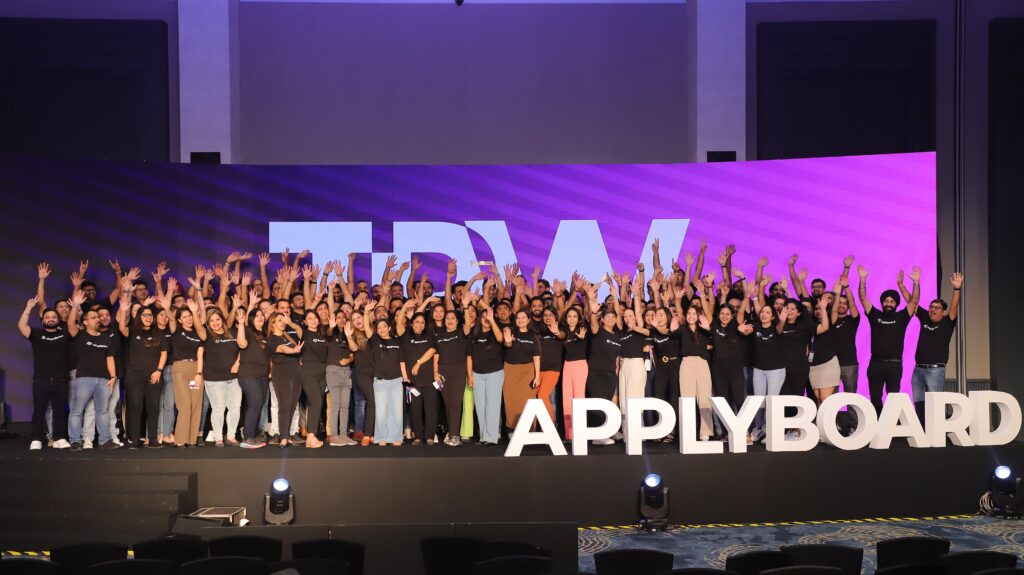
(1004, 497)
(653, 503)
(279, 504)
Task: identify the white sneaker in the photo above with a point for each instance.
(607, 441)
(61, 444)
(35, 446)
(210, 438)
(705, 437)
(792, 434)
(117, 441)
(618, 436)
(87, 445)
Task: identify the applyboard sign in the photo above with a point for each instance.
(968, 422)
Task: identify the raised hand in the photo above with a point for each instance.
(148, 301)
(32, 302)
(802, 274)
(134, 274)
(192, 305)
(208, 274)
(453, 267)
(656, 245)
(702, 321)
(220, 271)
(784, 283)
(76, 280)
(83, 266)
(402, 268)
(863, 272)
(348, 329)
(736, 273)
(899, 277)
(723, 258)
(915, 274)
(44, 270)
(762, 262)
(234, 257)
(316, 272)
(77, 298)
(957, 280)
(688, 258)
(115, 265)
(307, 272)
(245, 256)
(848, 261)
(303, 254)
(236, 302)
(391, 261)
(675, 265)
(284, 256)
(172, 286)
(489, 314)
(793, 258)
(246, 278)
(748, 288)
(784, 314)
(640, 267)
(264, 259)
(240, 316)
(730, 249)
(161, 270)
(235, 278)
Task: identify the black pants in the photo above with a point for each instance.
(254, 392)
(424, 412)
(454, 388)
(50, 392)
(666, 382)
(314, 382)
(603, 385)
(287, 388)
(140, 394)
(364, 381)
(883, 375)
(727, 381)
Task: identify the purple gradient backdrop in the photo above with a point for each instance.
(879, 208)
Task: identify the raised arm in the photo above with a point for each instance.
(448, 276)
(823, 319)
(368, 318)
(915, 295)
(43, 270)
(903, 288)
(700, 259)
(761, 263)
(350, 277)
(837, 290)
(124, 312)
(264, 260)
(414, 271)
(862, 289)
(23, 326)
(798, 278)
(954, 306)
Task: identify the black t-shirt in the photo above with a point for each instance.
(314, 352)
(487, 352)
(144, 348)
(525, 347)
(796, 337)
(51, 353)
(220, 351)
(632, 344)
(387, 356)
(694, 343)
(452, 347)
(117, 344)
(888, 332)
(550, 351)
(576, 346)
(91, 353)
(933, 341)
(824, 346)
(844, 334)
(337, 348)
(275, 341)
(363, 361)
(767, 348)
(185, 344)
(666, 345)
(254, 360)
(413, 347)
(605, 348)
(729, 344)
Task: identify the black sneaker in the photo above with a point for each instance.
(200, 442)
(261, 437)
(296, 439)
(417, 441)
(154, 446)
(274, 438)
(108, 446)
(132, 445)
(76, 446)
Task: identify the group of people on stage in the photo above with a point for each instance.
(393, 363)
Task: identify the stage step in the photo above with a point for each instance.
(39, 511)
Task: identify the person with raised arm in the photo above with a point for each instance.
(522, 366)
(339, 373)
(95, 374)
(632, 371)
(798, 278)
(888, 334)
(387, 374)
(217, 364)
(769, 361)
(487, 376)
(254, 374)
(284, 360)
(937, 325)
(188, 331)
(695, 348)
(51, 369)
(824, 370)
(605, 357)
(362, 373)
(146, 356)
(313, 371)
(729, 352)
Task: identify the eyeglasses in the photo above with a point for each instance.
(147, 315)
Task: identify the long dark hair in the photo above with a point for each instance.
(138, 328)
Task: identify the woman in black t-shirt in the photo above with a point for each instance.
(694, 370)
(729, 352)
(824, 370)
(522, 367)
(254, 376)
(284, 361)
(551, 337)
(146, 357)
(486, 375)
(574, 370)
(387, 379)
(313, 373)
(419, 369)
(362, 373)
(450, 363)
(339, 378)
(217, 363)
(665, 343)
(769, 363)
(188, 331)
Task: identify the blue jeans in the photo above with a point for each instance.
(925, 379)
(165, 425)
(487, 400)
(202, 416)
(388, 396)
(82, 390)
(359, 407)
(766, 383)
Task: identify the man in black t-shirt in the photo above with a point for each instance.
(51, 345)
(888, 332)
(937, 325)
